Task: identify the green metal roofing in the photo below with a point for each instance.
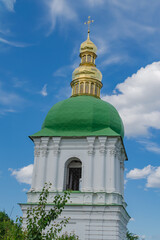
(82, 116)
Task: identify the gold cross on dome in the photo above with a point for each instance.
(89, 22)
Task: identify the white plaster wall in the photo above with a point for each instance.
(94, 222)
(101, 158)
(98, 211)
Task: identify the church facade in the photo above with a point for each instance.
(80, 148)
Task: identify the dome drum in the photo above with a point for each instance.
(86, 87)
(88, 58)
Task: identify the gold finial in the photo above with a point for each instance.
(89, 22)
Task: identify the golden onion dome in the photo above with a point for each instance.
(87, 72)
(86, 79)
(88, 46)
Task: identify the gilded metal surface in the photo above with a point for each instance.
(86, 79)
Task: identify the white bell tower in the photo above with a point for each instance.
(80, 148)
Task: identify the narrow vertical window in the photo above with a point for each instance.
(74, 175)
(81, 87)
(76, 88)
(88, 58)
(96, 90)
(92, 88)
(87, 87)
(84, 59)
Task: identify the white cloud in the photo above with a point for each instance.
(153, 180)
(18, 83)
(132, 220)
(9, 98)
(43, 92)
(102, 46)
(61, 72)
(150, 173)
(95, 3)
(138, 100)
(9, 101)
(60, 9)
(14, 44)
(140, 173)
(25, 190)
(6, 110)
(151, 146)
(143, 237)
(23, 175)
(112, 60)
(9, 4)
(66, 70)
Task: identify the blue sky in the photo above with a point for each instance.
(39, 48)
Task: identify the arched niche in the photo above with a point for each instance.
(73, 175)
(84, 59)
(88, 58)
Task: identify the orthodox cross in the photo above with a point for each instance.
(89, 22)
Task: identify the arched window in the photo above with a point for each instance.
(74, 174)
(84, 59)
(98, 92)
(88, 58)
(92, 59)
(76, 88)
(81, 87)
(96, 88)
(92, 88)
(87, 87)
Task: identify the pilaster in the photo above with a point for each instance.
(102, 163)
(42, 161)
(122, 177)
(88, 168)
(54, 164)
(111, 155)
(51, 165)
(118, 178)
(36, 157)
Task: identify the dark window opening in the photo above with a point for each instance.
(88, 58)
(81, 88)
(74, 176)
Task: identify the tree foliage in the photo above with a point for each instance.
(8, 229)
(131, 236)
(67, 236)
(41, 224)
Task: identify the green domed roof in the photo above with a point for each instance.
(82, 116)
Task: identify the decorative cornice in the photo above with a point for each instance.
(44, 153)
(44, 146)
(90, 141)
(102, 141)
(122, 165)
(112, 151)
(56, 142)
(36, 152)
(37, 147)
